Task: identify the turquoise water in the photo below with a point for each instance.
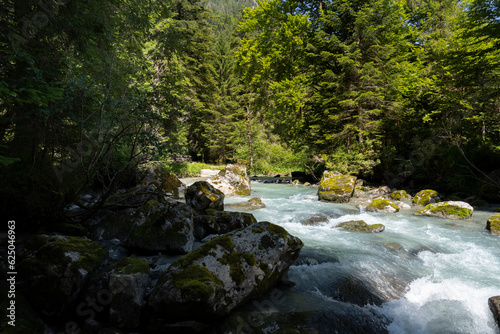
(435, 275)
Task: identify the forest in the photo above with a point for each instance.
(401, 92)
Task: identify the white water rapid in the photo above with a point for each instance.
(430, 275)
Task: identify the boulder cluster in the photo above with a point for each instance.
(152, 263)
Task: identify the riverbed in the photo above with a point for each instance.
(429, 275)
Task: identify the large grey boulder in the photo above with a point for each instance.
(382, 205)
(449, 210)
(127, 285)
(224, 273)
(54, 270)
(202, 195)
(165, 181)
(232, 181)
(221, 222)
(336, 187)
(163, 227)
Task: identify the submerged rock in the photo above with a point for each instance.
(315, 220)
(361, 226)
(165, 181)
(425, 197)
(202, 195)
(224, 273)
(449, 210)
(253, 203)
(336, 187)
(494, 304)
(493, 224)
(220, 222)
(382, 205)
(233, 181)
(127, 285)
(54, 270)
(164, 228)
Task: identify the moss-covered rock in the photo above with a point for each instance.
(336, 187)
(400, 195)
(202, 195)
(253, 203)
(493, 224)
(425, 197)
(233, 181)
(127, 284)
(165, 181)
(382, 205)
(164, 228)
(224, 273)
(221, 222)
(54, 270)
(361, 226)
(494, 304)
(449, 210)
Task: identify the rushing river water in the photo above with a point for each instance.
(432, 275)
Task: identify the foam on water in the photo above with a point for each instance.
(436, 274)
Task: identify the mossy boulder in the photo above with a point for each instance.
(361, 226)
(493, 224)
(253, 203)
(202, 195)
(165, 181)
(425, 197)
(400, 195)
(54, 269)
(221, 222)
(233, 181)
(494, 304)
(382, 205)
(336, 187)
(224, 273)
(449, 210)
(127, 284)
(166, 228)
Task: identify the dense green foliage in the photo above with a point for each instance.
(396, 90)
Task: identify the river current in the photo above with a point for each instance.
(430, 275)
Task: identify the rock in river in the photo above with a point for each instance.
(382, 205)
(493, 224)
(449, 210)
(224, 273)
(336, 187)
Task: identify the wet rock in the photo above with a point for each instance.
(202, 195)
(494, 304)
(220, 222)
(493, 224)
(233, 181)
(165, 181)
(54, 270)
(382, 205)
(449, 210)
(224, 273)
(315, 220)
(127, 284)
(361, 226)
(253, 203)
(164, 228)
(336, 187)
(425, 197)
(355, 291)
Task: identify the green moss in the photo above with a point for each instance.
(360, 226)
(493, 224)
(131, 265)
(259, 230)
(398, 195)
(446, 210)
(206, 249)
(423, 197)
(196, 282)
(382, 203)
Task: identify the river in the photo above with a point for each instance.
(429, 275)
